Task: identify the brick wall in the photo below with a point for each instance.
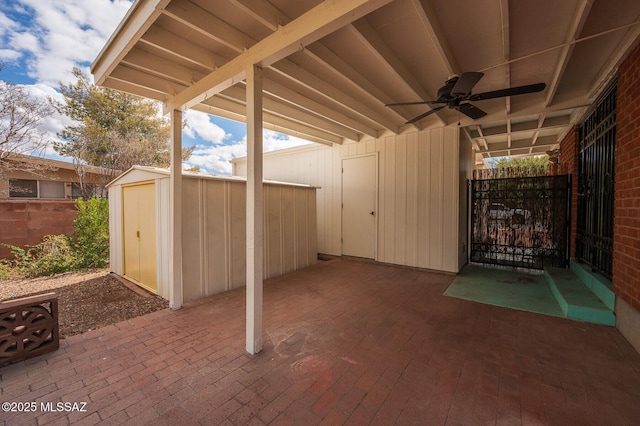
(626, 241)
(569, 147)
(25, 222)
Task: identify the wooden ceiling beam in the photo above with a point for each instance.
(128, 87)
(305, 78)
(136, 22)
(294, 114)
(326, 58)
(372, 41)
(609, 68)
(182, 48)
(145, 80)
(263, 12)
(431, 24)
(506, 49)
(208, 25)
(318, 22)
(338, 66)
(233, 110)
(542, 141)
(155, 65)
(579, 19)
(289, 95)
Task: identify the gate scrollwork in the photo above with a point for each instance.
(520, 222)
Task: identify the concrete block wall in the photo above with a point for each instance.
(26, 222)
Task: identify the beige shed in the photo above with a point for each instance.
(214, 232)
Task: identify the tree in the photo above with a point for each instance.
(520, 166)
(113, 129)
(521, 162)
(90, 241)
(21, 113)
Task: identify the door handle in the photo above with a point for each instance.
(372, 213)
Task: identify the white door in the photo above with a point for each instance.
(359, 206)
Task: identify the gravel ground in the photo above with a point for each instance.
(86, 300)
(12, 289)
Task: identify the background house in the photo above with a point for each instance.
(30, 177)
(37, 197)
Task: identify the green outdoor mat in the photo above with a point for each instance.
(506, 288)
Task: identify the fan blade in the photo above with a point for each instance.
(421, 116)
(466, 82)
(413, 103)
(520, 90)
(471, 111)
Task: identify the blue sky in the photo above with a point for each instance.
(41, 41)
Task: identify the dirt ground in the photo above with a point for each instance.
(86, 300)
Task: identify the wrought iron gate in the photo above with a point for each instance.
(521, 222)
(594, 232)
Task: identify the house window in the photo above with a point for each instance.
(76, 190)
(88, 190)
(23, 188)
(51, 189)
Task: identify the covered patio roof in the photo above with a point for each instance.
(329, 67)
(325, 71)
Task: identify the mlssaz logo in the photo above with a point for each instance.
(64, 406)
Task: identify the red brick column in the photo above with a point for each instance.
(626, 240)
(569, 148)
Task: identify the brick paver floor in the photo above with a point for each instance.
(344, 343)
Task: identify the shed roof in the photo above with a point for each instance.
(146, 172)
(331, 66)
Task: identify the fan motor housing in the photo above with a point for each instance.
(444, 93)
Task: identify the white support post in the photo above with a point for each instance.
(175, 215)
(254, 210)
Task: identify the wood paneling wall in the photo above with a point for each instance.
(419, 196)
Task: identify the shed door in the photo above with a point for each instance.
(359, 186)
(139, 228)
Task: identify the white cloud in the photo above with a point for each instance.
(9, 54)
(216, 159)
(7, 25)
(25, 41)
(62, 34)
(7, 28)
(54, 123)
(199, 125)
(273, 141)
